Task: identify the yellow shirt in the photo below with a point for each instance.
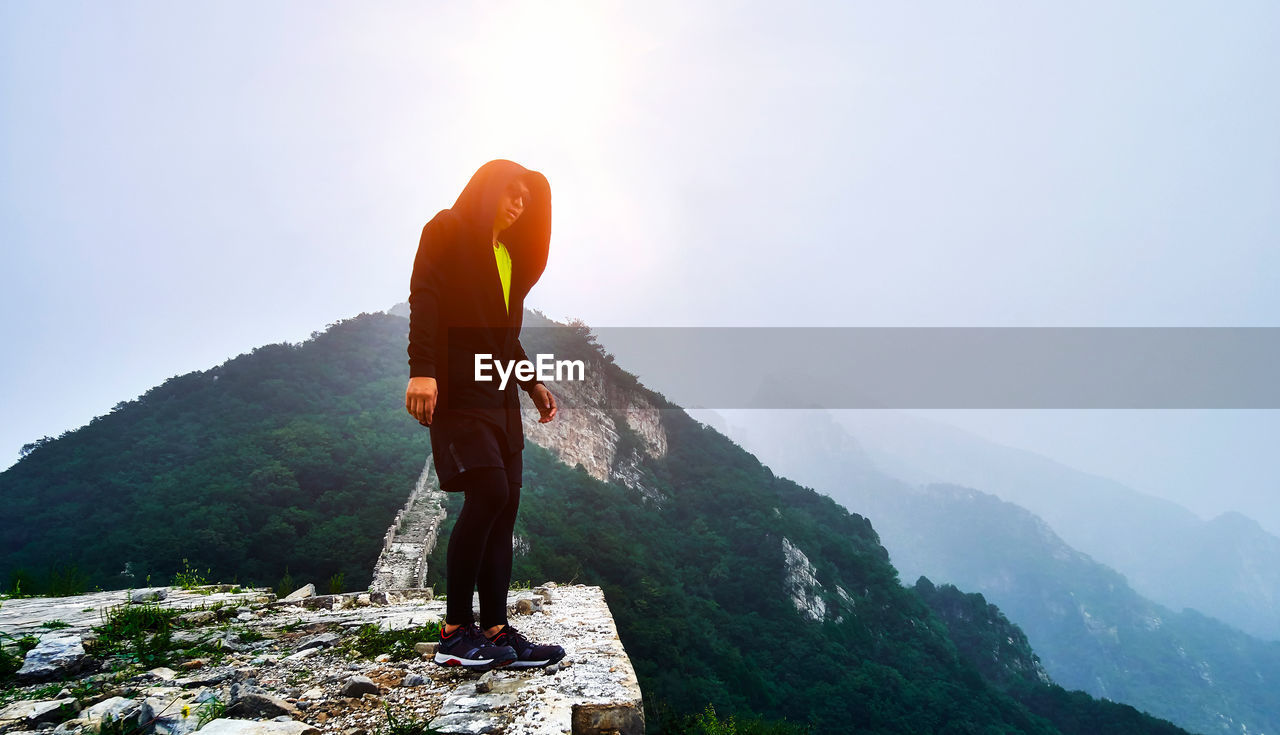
(503, 257)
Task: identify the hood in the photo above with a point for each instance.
(528, 238)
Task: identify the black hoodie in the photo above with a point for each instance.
(456, 308)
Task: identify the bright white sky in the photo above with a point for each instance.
(183, 182)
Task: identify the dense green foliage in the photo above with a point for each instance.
(291, 456)
(696, 588)
(999, 649)
(709, 722)
(1090, 628)
(296, 458)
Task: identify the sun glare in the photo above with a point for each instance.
(553, 66)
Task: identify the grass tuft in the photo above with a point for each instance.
(370, 641)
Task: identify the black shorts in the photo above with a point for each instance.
(471, 442)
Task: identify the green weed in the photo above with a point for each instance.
(286, 584)
(406, 725)
(139, 633)
(249, 635)
(210, 711)
(191, 579)
(370, 641)
(66, 580)
(13, 651)
(709, 723)
(336, 582)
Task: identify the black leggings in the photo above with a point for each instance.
(480, 546)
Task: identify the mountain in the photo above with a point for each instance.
(1227, 567)
(290, 459)
(1090, 628)
(1002, 653)
(729, 584)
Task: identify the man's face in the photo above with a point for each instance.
(511, 205)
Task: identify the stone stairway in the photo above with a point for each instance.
(402, 565)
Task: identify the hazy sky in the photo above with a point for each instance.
(183, 182)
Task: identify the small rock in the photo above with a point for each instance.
(70, 727)
(149, 594)
(226, 726)
(383, 658)
(314, 693)
(358, 686)
(245, 617)
(468, 722)
(302, 592)
(485, 684)
(261, 706)
(206, 677)
(553, 668)
(524, 607)
(425, 648)
(165, 713)
(183, 638)
(324, 640)
(160, 673)
(54, 657)
(413, 680)
(34, 713)
(198, 617)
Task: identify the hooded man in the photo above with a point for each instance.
(476, 262)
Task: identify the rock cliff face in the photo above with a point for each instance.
(603, 427)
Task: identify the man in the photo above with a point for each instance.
(476, 262)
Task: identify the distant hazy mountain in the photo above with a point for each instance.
(1228, 567)
(1089, 627)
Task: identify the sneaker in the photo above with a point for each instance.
(467, 647)
(528, 655)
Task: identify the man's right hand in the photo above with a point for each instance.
(420, 399)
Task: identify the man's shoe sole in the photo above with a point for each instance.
(476, 664)
(518, 664)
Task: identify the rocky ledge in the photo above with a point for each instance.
(355, 664)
